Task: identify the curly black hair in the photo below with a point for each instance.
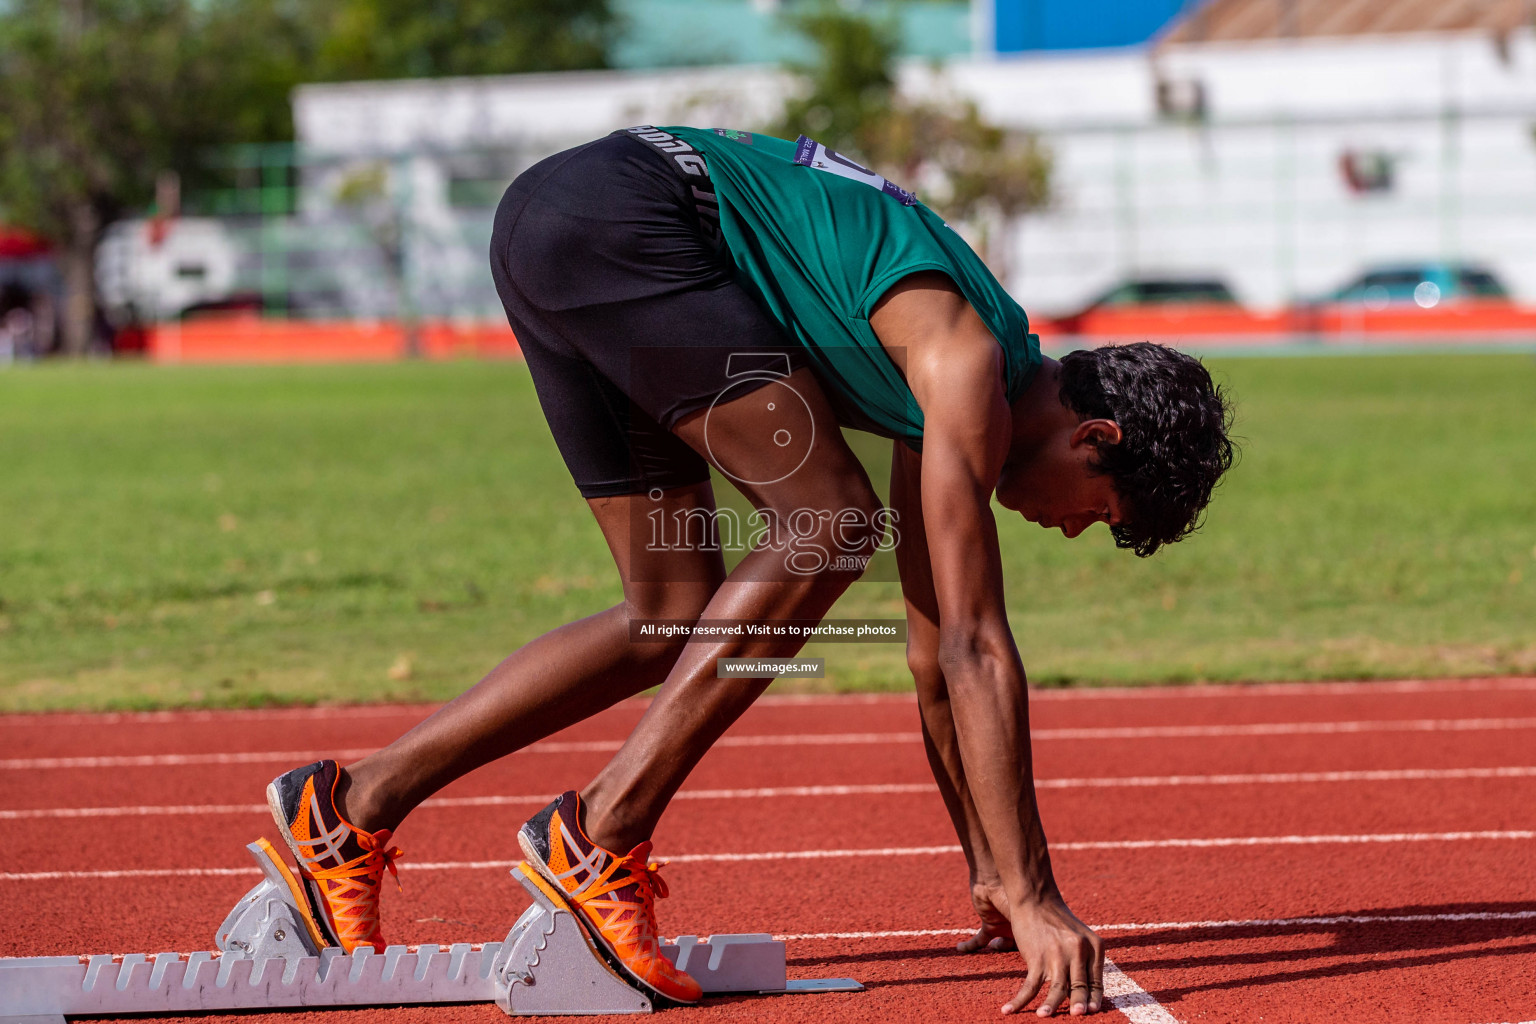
(1174, 444)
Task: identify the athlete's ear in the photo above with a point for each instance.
(1096, 432)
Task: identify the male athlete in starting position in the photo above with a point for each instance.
(688, 298)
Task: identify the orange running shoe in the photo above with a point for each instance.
(341, 865)
(614, 897)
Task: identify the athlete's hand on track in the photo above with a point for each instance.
(1062, 954)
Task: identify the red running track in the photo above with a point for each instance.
(1361, 851)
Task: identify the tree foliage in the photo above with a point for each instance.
(100, 97)
(849, 85)
(421, 38)
(969, 170)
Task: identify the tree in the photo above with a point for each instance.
(102, 96)
(849, 85)
(98, 98)
(364, 39)
(970, 171)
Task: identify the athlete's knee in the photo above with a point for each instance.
(656, 617)
(831, 534)
(668, 599)
(845, 512)
(856, 525)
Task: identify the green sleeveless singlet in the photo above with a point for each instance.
(818, 240)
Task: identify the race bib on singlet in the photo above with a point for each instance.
(810, 153)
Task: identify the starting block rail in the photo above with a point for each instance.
(267, 959)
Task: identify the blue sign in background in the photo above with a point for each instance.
(1079, 24)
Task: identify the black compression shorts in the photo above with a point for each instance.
(623, 302)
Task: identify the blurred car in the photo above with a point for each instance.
(1161, 305)
(1425, 285)
(1429, 298)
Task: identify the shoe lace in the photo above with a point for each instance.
(646, 872)
(634, 920)
(358, 881)
(378, 859)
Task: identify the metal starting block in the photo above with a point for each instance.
(270, 956)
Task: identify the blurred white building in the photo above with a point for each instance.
(1283, 165)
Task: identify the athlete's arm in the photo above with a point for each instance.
(955, 370)
(939, 738)
(943, 747)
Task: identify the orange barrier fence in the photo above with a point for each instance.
(1460, 318)
(252, 339)
(1171, 321)
(1474, 320)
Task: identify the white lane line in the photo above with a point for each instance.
(411, 712)
(1283, 778)
(887, 851)
(1165, 926)
(1284, 729)
(534, 799)
(1368, 688)
(1131, 999)
(817, 740)
(901, 933)
(546, 747)
(50, 876)
(1322, 840)
(732, 858)
(342, 711)
(1328, 921)
(176, 760)
(891, 789)
(131, 812)
(803, 740)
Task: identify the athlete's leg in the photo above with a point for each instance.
(693, 707)
(558, 679)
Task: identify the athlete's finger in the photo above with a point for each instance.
(1080, 967)
(1002, 944)
(1096, 980)
(982, 938)
(1058, 993)
(1032, 982)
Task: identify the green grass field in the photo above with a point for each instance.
(175, 536)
